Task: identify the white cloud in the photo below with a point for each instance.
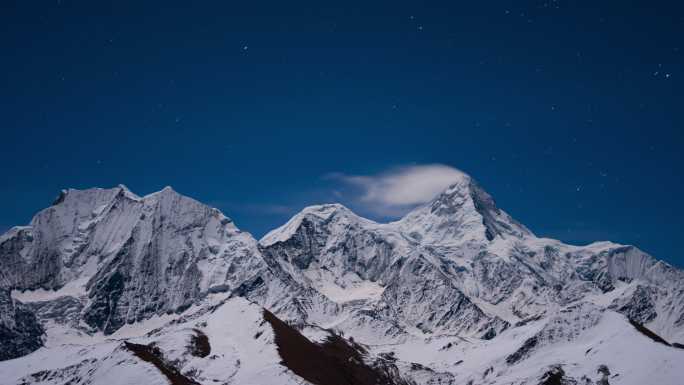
(393, 192)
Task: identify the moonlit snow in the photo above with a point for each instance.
(107, 287)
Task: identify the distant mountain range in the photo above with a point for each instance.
(107, 287)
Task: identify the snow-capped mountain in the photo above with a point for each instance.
(105, 286)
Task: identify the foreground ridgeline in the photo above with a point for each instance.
(107, 287)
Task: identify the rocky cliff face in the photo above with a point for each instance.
(20, 332)
(133, 257)
(126, 258)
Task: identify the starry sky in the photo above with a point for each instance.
(568, 113)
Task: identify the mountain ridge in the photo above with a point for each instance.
(99, 261)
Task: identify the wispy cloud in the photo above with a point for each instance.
(392, 193)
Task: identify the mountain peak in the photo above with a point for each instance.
(317, 213)
(166, 191)
(95, 193)
(326, 210)
(464, 211)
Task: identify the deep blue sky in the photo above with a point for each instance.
(569, 114)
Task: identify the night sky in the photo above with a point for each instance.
(569, 113)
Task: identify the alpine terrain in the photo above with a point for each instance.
(106, 287)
